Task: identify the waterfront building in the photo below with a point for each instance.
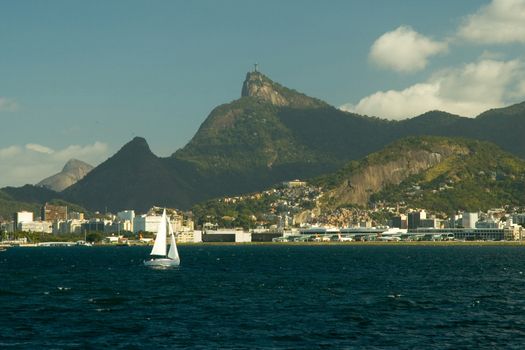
(94, 225)
(126, 225)
(146, 223)
(488, 223)
(468, 220)
(194, 236)
(472, 234)
(414, 219)
(431, 223)
(266, 236)
(36, 226)
(6, 227)
(59, 226)
(22, 217)
(126, 217)
(74, 226)
(227, 235)
(51, 212)
(399, 221)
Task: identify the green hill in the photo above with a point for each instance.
(438, 173)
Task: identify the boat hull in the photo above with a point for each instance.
(161, 263)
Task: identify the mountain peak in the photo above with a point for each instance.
(138, 144)
(76, 164)
(73, 171)
(260, 86)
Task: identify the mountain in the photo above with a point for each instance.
(430, 172)
(73, 171)
(270, 134)
(249, 132)
(132, 178)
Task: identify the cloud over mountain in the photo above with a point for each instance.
(404, 50)
(467, 91)
(30, 163)
(500, 22)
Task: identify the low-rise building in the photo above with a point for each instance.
(473, 234)
(227, 235)
(194, 236)
(36, 226)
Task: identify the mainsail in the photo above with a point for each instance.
(159, 248)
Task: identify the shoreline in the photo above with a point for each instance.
(313, 244)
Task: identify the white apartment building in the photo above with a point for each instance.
(126, 217)
(36, 226)
(23, 217)
(468, 220)
(146, 223)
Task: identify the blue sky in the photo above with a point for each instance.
(81, 78)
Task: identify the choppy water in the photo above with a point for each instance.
(273, 297)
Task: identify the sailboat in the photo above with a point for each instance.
(158, 253)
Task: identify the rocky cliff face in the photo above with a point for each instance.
(390, 167)
(73, 171)
(258, 85)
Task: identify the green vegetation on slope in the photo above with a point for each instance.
(239, 213)
(470, 175)
(243, 134)
(31, 198)
(484, 178)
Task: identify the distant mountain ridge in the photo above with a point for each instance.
(73, 171)
(270, 134)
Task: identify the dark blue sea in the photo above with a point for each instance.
(264, 297)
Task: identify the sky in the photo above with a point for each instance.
(79, 79)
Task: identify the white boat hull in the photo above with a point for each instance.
(161, 263)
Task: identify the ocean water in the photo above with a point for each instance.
(264, 297)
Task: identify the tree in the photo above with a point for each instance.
(94, 237)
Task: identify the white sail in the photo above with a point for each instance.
(173, 253)
(159, 248)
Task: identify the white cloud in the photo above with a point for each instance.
(468, 91)
(8, 104)
(500, 22)
(33, 162)
(9, 152)
(38, 148)
(404, 50)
